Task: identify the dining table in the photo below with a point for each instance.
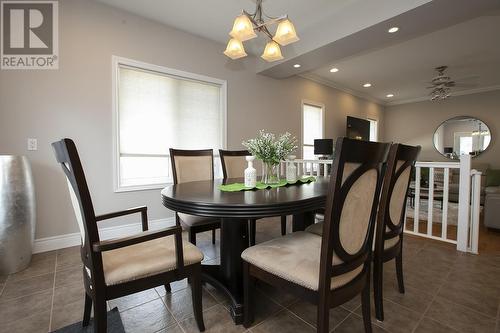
(235, 209)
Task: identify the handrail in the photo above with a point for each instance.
(469, 197)
(426, 164)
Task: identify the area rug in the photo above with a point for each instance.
(115, 325)
(437, 213)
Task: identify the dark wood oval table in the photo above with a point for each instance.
(204, 198)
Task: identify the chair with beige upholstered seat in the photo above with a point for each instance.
(390, 221)
(119, 267)
(190, 166)
(331, 269)
(233, 166)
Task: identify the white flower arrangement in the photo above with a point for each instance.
(270, 150)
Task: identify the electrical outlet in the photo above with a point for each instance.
(32, 144)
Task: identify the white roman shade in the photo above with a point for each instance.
(158, 110)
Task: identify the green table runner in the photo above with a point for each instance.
(235, 187)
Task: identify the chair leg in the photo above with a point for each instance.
(399, 272)
(100, 316)
(168, 289)
(213, 236)
(283, 225)
(86, 310)
(248, 295)
(378, 276)
(365, 306)
(252, 229)
(197, 298)
(192, 236)
(323, 319)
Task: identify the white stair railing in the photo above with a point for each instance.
(469, 198)
(310, 167)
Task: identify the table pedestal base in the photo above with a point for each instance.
(228, 276)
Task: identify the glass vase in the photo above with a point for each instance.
(270, 173)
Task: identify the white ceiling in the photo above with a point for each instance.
(213, 19)
(471, 50)
(350, 35)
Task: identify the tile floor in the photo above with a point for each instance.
(446, 292)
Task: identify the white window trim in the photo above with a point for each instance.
(323, 113)
(116, 61)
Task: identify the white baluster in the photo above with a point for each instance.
(446, 190)
(475, 209)
(430, 201)
(464, 203)
(417, 200)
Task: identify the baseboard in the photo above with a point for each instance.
(74, 239)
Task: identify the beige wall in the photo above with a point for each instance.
(75, 102)
(415, 123)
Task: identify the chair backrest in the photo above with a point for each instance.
(67, 155)
(400, 166)
(233, 163)
(351, 206)
(192, 165)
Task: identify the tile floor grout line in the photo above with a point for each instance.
(268, 318)
(343, 320)
(299, 318)
(31, 277)
(53, 294)
(432, 301)
(31, 294)
(172, 314)
(3, 286)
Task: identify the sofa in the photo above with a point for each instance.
(492, 200)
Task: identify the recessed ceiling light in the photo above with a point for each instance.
(367, 85)
(389, 95)
(296, 65)
(334, 70)
(393, 30)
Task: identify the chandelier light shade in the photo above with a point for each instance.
(242, 29)
(286, 34)
(272, 52)
(245, 27)
(235, 49)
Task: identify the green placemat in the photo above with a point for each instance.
(235, 187)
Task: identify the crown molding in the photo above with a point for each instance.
(457, 93)
(320, 80)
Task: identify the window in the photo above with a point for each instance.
(157, 108)
(373, 129)
(465, 145)
(312, 127)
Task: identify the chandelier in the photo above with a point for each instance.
(245, 27)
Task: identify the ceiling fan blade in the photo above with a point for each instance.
(468, 78)
(465, 85)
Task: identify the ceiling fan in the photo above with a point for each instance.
(442, 83)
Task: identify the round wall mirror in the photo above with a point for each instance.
(462, 135)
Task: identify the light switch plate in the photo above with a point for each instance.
(32, 144)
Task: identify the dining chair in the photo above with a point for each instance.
(123, 266)
(331, 269)
(233, 166)
(190, 166)
(390, 220)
